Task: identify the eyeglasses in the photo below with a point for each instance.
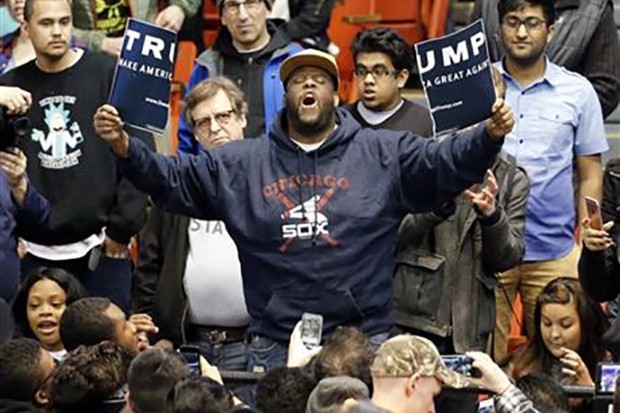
(531, 23)
(377, 72)
(222, 119)
(232, 8)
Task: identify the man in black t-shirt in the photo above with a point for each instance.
(93, 216)
(383, 63)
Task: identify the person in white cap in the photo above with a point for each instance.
(315, 204)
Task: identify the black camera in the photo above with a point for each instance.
(12, 128)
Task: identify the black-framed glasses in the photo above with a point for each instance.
(531, 23)
(378, 71)
(222, 119)
(232, 8)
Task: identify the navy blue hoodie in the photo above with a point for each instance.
(315, 231)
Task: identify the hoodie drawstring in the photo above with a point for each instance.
(300, 190)
(316, 212)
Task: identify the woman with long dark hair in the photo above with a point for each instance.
(39, 304)
(566, 344)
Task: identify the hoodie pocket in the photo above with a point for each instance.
(337, 307)
(417, 283)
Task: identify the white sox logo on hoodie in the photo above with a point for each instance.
(310, 223)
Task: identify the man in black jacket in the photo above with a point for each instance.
(95, 211)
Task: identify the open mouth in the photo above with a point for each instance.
(47, 327)
(309, 101)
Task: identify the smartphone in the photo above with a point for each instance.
(191, 354)
(606, 376)
(311, 329)
(594, 213)
(459, 363)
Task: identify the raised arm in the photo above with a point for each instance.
(433, 172)
(502, 236)
(184, 185)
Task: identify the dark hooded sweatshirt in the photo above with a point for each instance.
(15, 406)
(315, 231)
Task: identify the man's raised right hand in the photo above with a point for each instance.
(501, 121)
(16, 100)
(109, 126)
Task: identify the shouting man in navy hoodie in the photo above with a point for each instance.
(314, 205)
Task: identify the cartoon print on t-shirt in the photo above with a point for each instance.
(112, 16)
(62, 135)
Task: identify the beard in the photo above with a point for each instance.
(309, 124)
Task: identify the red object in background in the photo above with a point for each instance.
(415, 20)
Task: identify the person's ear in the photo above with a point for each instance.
(42, 398)
(411, 384)
(129, 403)
(401, 78)
(551, 33)
(336, 98)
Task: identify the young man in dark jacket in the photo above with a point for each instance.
(95, 211)
(249, 50)
(314, 206)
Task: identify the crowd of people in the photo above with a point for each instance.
(283, 204)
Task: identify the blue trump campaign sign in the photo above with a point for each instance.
(141, 86)
(456, 74)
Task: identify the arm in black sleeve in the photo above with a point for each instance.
(601, 62)
(148, 267)
(129, 211)
(433, 172)
(185, 185)
(599, 272)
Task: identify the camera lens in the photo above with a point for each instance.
(21, 126)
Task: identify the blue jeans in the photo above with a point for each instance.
(111, 278)
(227, 356)
(266, 354)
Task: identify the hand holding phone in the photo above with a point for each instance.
(311, 329)
(461, 364)
(594, 213)
(191, 354)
